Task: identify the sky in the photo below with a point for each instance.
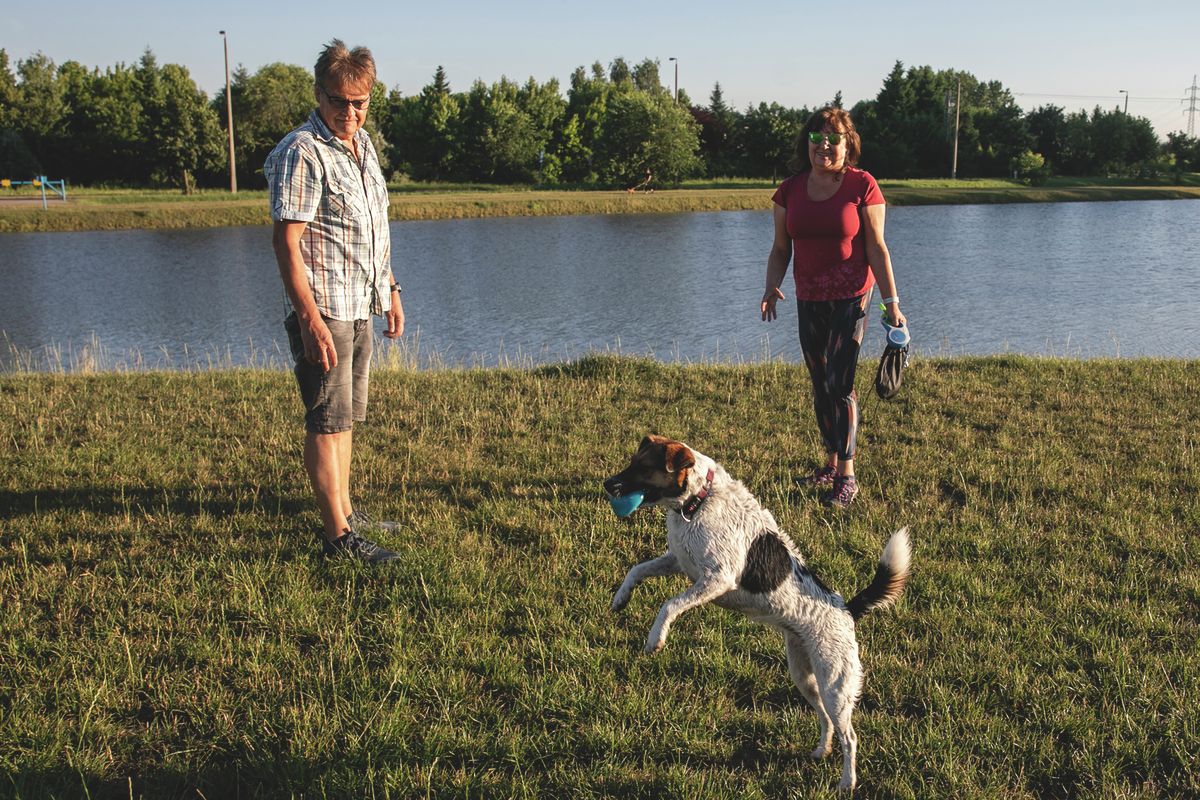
(1071, 54)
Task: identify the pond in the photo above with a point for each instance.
(1083, 280)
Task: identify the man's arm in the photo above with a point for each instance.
(318, 342)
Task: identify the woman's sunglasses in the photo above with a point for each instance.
(832, 138)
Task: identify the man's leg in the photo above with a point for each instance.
(322, 462)
(345, 447)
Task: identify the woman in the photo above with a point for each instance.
(830, 214)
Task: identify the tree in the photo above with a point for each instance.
(645, 77)
(101, 130)
(1185, 153)
(9, 95)
(586, 113)
(720, 128)
(180, 128)
(1047, 126)
(619, 73)
(40, 109)
(769, 132)
(16, 159)
(266, 107)
(423, 128)
(181, 134)
(501, 142)
(1030, 167)
(644, 131)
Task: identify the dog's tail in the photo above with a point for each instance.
(890, 577)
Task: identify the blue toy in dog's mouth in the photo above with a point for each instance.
(626, 504)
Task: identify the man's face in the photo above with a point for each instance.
(336, 101)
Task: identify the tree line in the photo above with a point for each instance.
(150, 125)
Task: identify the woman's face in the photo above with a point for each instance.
(823, 152)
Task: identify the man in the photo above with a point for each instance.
(329, 205)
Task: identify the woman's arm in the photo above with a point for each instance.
(880, 259)
(777, 265)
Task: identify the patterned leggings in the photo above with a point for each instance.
(831, 333)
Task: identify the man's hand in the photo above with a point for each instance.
(394, 318)
(318, 343)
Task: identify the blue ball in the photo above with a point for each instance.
(626, 504)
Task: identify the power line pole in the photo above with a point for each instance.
(229, 117)
(957, 106)
(1191, 131)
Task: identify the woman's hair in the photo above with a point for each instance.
(341, 65)
(838, 119)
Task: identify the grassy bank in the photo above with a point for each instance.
(98, 209)
(168, 632)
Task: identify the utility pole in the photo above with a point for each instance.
(957, 106)
(1192, 108)
(229, 116)
(1122, 91)
(676, 60)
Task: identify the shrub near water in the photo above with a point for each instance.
(168, 631)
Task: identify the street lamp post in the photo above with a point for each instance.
(676, 60)
(1122, 91)
(229, 117)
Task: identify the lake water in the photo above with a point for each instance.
(1083, 280)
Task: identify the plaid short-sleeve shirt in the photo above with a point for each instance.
(347, 248)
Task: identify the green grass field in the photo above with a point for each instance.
(168, 631)
(122, 209)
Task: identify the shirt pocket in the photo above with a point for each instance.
(345, 199)
(379, 191)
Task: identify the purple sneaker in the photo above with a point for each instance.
(845, 489)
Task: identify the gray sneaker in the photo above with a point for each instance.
(361, 522)
(355, 547)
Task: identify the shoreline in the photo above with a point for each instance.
(96, 211)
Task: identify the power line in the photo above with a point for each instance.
(1096, 97)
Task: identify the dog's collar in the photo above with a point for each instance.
(694, 502)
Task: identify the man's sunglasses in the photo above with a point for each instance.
(341, 103)
(832, 138)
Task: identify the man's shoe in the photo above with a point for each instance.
(361, 522)
(355, 547)
(845, 489)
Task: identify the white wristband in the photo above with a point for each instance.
(893, 299)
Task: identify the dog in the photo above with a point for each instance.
(732, 549)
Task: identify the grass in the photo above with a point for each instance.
(122, 209)
(168, 631)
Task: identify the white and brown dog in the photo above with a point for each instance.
(732, 549)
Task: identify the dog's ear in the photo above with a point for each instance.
(678, 457)
(652, 440)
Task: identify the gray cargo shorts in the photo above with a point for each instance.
(334, 400)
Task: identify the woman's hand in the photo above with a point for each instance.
(897, 318)
(770, 298)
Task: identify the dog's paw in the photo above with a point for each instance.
(847, 785)
(821, 751)
(653, 645)
(620, 600)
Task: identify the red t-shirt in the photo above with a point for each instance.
(829, 253)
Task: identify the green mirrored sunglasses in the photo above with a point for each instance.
(833, 138)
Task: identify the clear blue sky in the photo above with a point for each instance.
(1073, 54)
